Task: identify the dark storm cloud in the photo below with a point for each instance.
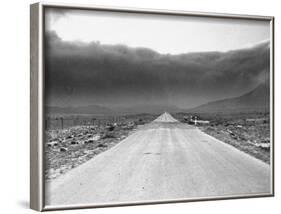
(81, 74)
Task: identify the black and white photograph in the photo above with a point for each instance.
(143, 107)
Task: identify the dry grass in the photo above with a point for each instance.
(248, 132)
(76, 145)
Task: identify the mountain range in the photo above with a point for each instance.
(257, 99)
(102, 110)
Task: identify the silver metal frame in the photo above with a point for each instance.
(37, 98)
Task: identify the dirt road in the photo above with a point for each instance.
(162, 160)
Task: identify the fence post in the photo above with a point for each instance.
(93, 121)
(61, 119)
(46, 123)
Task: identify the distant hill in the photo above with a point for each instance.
(256, 100)
(151, 109)
(101, 110)
(91, 109)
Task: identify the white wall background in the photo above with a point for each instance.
(14, 119)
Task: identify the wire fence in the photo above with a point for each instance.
(64, 122)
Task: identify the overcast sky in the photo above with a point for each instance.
(162, 33)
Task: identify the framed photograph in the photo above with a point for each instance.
(139, 106)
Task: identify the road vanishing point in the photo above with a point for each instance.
(163, 160)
